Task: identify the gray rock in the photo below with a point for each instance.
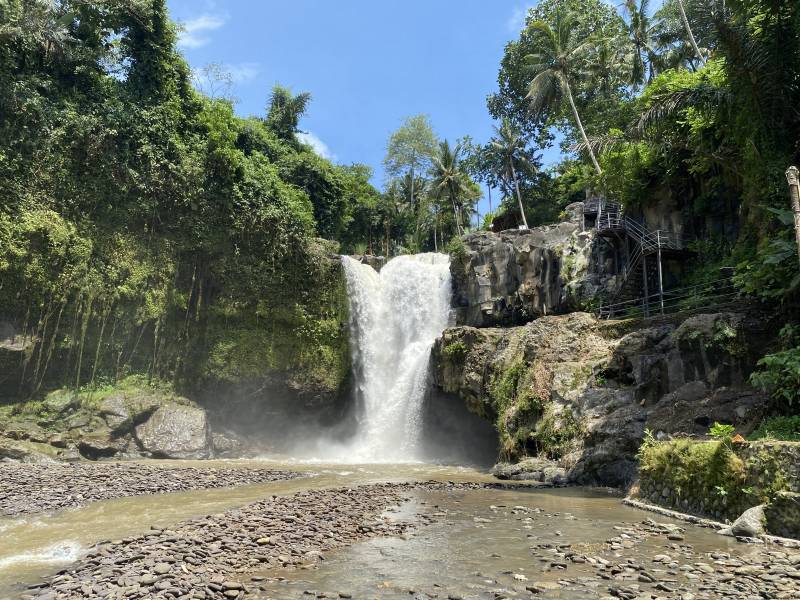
(114, 410)
(96, 447)
(225, 445)
(749, 525)
(376, 262)
(176, 431)
(514, 276)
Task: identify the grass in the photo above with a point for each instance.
(783, 429)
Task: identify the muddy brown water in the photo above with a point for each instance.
(477, 544)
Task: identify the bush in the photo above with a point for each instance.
(779, 373)
(456, 248)
(784, 429)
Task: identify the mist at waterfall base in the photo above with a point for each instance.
(392, 414)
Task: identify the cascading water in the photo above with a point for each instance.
(395, 317)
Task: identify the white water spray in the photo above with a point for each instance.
(395, 317)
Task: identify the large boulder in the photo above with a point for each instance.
(750, 524)
(176, 431)
(514, 276)
(581, 392)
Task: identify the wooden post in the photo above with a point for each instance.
(646, 291)
(660, 273)
(792, 176)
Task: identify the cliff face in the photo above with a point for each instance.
(512, 277)
(571, 396)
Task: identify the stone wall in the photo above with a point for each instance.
(721, 481)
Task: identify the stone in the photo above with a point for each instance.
(226, 445)
(95, 447)
(176, 431)
(750, 524)
(514, 276)
(614, 381)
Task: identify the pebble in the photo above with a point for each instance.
(35, 488)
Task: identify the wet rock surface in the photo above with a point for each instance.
(514, 276)
(598, 385)
(209, 557)
(35, 488)
(530, 550)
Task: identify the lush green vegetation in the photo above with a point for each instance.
(784, 429)
(144, 227)
(691, 119)
(706, 129)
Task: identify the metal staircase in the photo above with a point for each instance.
(641, 287)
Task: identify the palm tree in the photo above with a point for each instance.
(692, 41)
(559, 57)
(285, 110)
(449, 179)
(510, 145)
(412, 191)
(642, 36)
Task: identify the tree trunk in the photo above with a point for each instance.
(50, 348)
(87, 315)
(456, 216)
(106, 314)
(519, 195)
(792, 176)
(692, 41)
(580, 127)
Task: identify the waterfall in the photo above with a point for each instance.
(395, 317)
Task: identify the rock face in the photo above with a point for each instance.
(176, 431)
(126, 424)
(581, 392)
(376, 262)
(515, 276)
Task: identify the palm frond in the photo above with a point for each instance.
(600, 143)
(544, 91)
(666, 106)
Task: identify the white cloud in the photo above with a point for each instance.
(243, 72)
(317, 144)
(516, 21)
(194, 31)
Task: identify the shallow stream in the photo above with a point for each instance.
(485, 543)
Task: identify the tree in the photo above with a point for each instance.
(284, 112)
(409, 153)
(510, 144)
(555, 63)
(642, 35)
(450, 181)
(411, 147)
(689, 33)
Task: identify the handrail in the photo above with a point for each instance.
(678, 300)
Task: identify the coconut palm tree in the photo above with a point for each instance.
(692, 41)
(509, 144)
(642, 34)
(559, 58)
(449, 179)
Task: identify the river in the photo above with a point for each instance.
(484, 543)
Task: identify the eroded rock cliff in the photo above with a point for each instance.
(580, 392)
(514, 276)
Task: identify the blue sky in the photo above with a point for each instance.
(367, 63)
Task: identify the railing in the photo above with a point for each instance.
(712, 294)
(592, 206)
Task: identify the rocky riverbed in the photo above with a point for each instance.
(209, 557)
(34, 488)
(527, 546)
